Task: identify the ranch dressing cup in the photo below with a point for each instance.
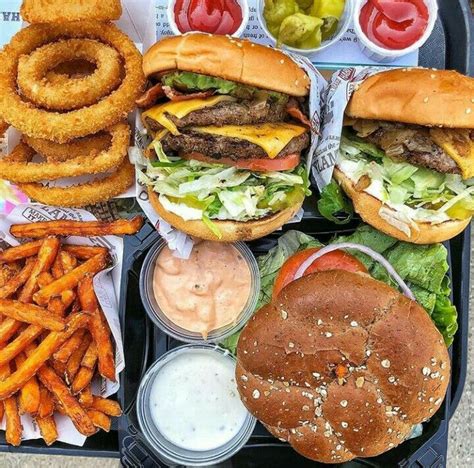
(188, 407)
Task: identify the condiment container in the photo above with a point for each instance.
(162, 321)
(381, 54)
(174, 27)
(168, 451)
(342, 27)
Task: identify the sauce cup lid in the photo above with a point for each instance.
(166, 450)
(380, 54)
(160, 319)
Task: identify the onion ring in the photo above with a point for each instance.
(70, 69)
(70, 93)
(83, 194)
(62, 127)
(17, 166)
(85, 146)
(47, 11)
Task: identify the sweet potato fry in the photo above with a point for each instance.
(46, 255)
(48, 429)
(30, 313)
(82, 379)
(29, 395)
(46, 407)
(75, 360)
(57, 267)
(7, 272)
(16, 346)
(106, 406)
(71, 279)
(13, 424)
(18, 280)
(86, 398)
(40, 355)
(8, 328)
(71, 406)
(68, 261)
(90, 356)
(98, 328)
(20, 251)
(44, 279)
(84, 252)
(65, 351)
(99, 419)
(77, 228)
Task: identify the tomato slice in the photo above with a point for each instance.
(335, 260)
(286, 163)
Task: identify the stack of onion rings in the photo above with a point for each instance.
(59, 11)
(68, 93)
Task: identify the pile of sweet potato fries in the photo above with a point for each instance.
(54, 337)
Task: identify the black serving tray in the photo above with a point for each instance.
(448, 47)
(146, 343)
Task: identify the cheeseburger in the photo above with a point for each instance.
(407, 153)
(228, 122)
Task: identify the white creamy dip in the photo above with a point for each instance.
(194, 401)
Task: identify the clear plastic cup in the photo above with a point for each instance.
(382, 55)
(160, 319)
(166, 450)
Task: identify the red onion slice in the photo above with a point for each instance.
(362, 248)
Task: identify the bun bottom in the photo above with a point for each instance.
(232, 231)
(368, 208)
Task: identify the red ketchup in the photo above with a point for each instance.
(210, 16)
(394, 24)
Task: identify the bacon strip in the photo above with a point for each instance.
(178, 96)
(150, 96)
(293, 109)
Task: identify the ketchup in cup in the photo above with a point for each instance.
(394, 24)
(210, 16)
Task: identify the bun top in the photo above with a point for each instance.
(229, 58)
(416, 96)
(341, 365)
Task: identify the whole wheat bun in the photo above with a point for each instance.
(416, 96)
(393, 366)
(229, 58)
(368, 208)
(231, 231)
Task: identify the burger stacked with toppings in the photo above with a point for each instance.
(228, 120)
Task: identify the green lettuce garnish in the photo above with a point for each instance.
(334, 205)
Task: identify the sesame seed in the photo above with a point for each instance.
(327, 434)
(344, 424)
(343, 403)
(468, 110)
(244, 378)
(426, 371)
(286, 384)
(266, 393)
(305, 408)
(318, 411)
(379, 401)
(443, 365)
(472, 100)
(319, 322)
(390, 444)
(385, 363)
(368, 352)
(284, 314)
(291, 345)
(391, 379)
(338, 447)
(433, 76)
(317, 375)
(255, 343)
(435, 375)
(346, 316)
(426, 100)
(438, 401)
(354, 324)
(296, 82)
(256, 394)
(328, 334)
(282, 61)
(252, 44)
(360, 382)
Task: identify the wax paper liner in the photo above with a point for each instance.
(107, 288)
(179, 242)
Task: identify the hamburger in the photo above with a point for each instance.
(406, 157)
(341, 365)
(229, 122)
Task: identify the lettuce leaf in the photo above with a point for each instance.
(334, 205)
(424, 267)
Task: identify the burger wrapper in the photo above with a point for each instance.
(336, 96)
(179, 242)
(107, 288)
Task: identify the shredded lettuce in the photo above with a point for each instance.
(198, 190)
(409, 193)
(423, 267)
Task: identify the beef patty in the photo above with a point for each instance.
(216, 146)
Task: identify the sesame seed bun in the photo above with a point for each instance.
(416, 96)
(390, 375)
(225, 57)
(231, 231)
(368, 208)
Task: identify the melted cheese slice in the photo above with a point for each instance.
(271, 137)
(179, 109)
(458, 145)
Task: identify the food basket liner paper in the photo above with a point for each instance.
(107, 288)
(336, 96)
(180, 242)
